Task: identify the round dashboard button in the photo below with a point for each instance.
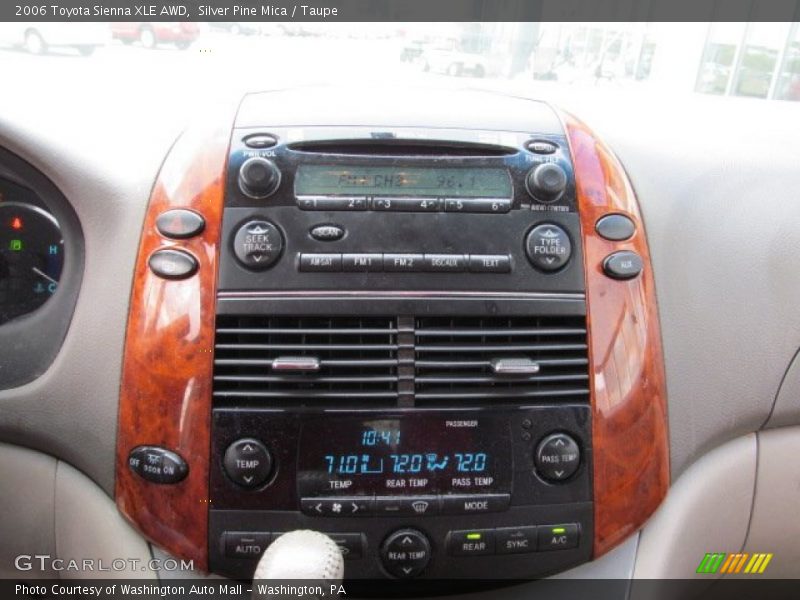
(547, 182)
(405, 553)
(248, 463)
(623, 265)
(557, 457)
(259, 177)
(548, 247)
(258, 245)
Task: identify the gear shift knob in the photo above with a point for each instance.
(300, 555)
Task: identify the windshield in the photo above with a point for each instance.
(732, 60)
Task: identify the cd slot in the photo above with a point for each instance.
(398, 147)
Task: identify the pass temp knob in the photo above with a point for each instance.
(259, 177)
(546, 182)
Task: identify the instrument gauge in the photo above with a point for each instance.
(31, 258)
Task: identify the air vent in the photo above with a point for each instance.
(399, 360)
(500, 360)
(306, 360)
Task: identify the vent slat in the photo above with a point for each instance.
(473, 331)
(508, 378)
(255, 362)
(465, 394)
(456, 357)
(301, 394)
(489, 348)
(301, 379)
(300, 346)
(473, 364)
(355, 360)
(303, 331)
(361, 361)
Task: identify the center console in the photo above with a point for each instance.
(433, 339)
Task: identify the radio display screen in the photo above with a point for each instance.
(404, 455)
(402, 181)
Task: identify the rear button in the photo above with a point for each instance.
(472, 542)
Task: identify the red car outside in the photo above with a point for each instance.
(152, 34)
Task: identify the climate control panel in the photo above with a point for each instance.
(397, 489)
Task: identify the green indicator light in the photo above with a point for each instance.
(15, 245)
(474, 536)
(559, 530)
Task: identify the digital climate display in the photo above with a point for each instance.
(402, 181)
(412, 454)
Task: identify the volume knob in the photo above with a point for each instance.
(546, 182)
(259, 177)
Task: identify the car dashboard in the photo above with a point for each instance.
(464, 334)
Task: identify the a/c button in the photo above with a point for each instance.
(558, 537)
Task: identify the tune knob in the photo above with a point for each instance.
(546, 182)
(259, 177)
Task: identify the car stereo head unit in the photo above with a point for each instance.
(311, 208)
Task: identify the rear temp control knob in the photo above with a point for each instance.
(259, 177)
(546, 182)
(405, 553)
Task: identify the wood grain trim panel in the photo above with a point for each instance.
(165, 396)
(628, 386)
